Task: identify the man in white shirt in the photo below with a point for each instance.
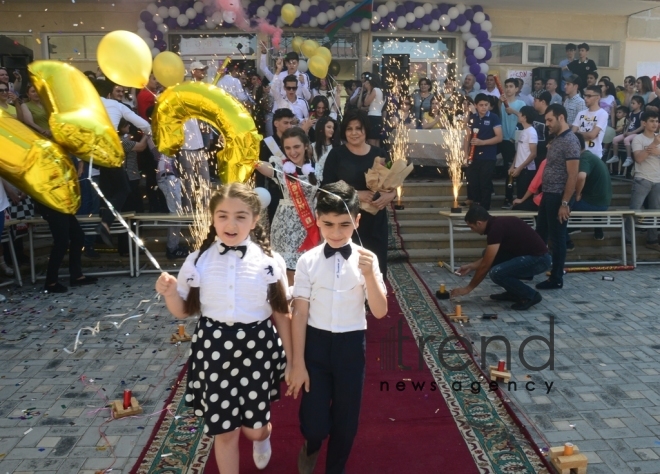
(592, 122)
(289, 100)
(231, 84)
(291, 61)
(491, 87)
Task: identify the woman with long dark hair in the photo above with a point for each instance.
(319, 108)
(645, 88)
(374, 101)
(422, 98)
(327, 138)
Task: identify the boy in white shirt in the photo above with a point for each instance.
(592, 122)
(523, 168)
(332, 282)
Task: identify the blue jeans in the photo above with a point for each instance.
(508, 274)
(553, 232)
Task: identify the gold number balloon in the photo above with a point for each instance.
(209, 103)
(37, 166)
(78, 119)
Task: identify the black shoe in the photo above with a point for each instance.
(86, 280)
(506, 296)
(91, 253)
(549, 285)
(105, 234)
(598, 234)
(522, 305)
(306, 463)
(176, 254)
(573, 230)
(56, 288)
(570, 246)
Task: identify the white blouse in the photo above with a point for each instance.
(231, 289)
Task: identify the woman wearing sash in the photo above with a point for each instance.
(294, 229)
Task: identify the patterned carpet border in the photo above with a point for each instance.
(498, 441)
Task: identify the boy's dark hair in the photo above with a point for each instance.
(290, 78)
(359, 115)
(476, 213)
(580, 138)
(481, 98)
(348, 202)
(282, 113)
(557, 110)
(511, 81)
(593, 73)
(639, 99)
(595, 89)
(573, 79)
(583, 46)
(649, 114)
(529, 113)
(571, 47)
(546, 97)
(291, 56)
(625, 109)
(348, 85)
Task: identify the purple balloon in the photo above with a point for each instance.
(477, 8)
(481, 77)
(252, 9)
(271, 18)
(435, 14)
(277, 9)
(151, 26)
(295, 2)
(171, 23)
(324, 6)
(400, 10)
(208, 10)
(469, 14)
(486, 44)
(227, 25)
(427, 19)
(475, 69)
(482, 35)
(409, 26)
(161, 45)
(489, 55)
(452, 26)
(410, 6)
(375, 27)
(470, 60)
(145, 16)
(444, 8)
(475, 28)
(417, 24)
(487, 17)
(313, 10)
(460, 20)
(468, 52)
(391, 17)
(296, 23)
(157, 35)
(304, 18)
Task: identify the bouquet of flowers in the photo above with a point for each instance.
(384, 179)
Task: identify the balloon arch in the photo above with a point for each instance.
(471, 21)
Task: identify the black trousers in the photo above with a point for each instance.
(67, 235)
(116, 189)
(480, 181)
(522, 182)
(553, 233)
(373, 232)
(336, 367)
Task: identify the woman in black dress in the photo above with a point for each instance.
(349, 163)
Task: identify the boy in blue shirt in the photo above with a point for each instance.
(331, 284)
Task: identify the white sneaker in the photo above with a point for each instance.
(261, 459)
(3, 298)
(7, 269)
(628, 162)
(614, 159)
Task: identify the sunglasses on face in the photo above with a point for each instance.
(295, 88)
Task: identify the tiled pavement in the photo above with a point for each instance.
(605, 396)
(49, 400)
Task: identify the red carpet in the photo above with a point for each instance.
(400, 431)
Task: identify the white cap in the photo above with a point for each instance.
(197, 65)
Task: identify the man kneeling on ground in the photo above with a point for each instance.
(514, 252)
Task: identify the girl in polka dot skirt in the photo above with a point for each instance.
(237, 359)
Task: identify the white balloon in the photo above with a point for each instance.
(314, 2)
(191, 13)
(444, 20)
(269, 4)
(332, 15)
(480, 52)
(229, 17)
(207, 2)
(466, 27)
(174, 12)
(152, 8)
(322, 18)
(434, 26)
(391, 5)
(262, 12)
(382, 10)
(279, 2)
(217, 18)
(453, 13)
(279, 23)
(466, 70)
(302, 66)
(467, 36)
(428, 8)
(479, 17)
(163, 28)
(401, 22)
(182, 20)
(140, 24)
(264, 196)
(356, 28)
(410, 17)
(340, 11)
(149, 42)
(142, 33)
(486, 26)
(477, 86)
(210, 24)
(375, 18)
(472, 43)
(313, 22)
(157, 19)
(461, 8)
(425, 28)
(199, 7)
(484, 68)
(392, 28)
(365, 24)
(304, 5)
(155, 52)
(349, 5)
(164, 12)
(298, 11)
(419, 12)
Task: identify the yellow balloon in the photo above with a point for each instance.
(324, 53)
(296, 44)
(309, 47)
(37, 166)
(125, 58)
(318, 66)
(169, 68)
(206, 102)
(78, 119)
(288, 13)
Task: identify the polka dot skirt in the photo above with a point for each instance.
(234, 372)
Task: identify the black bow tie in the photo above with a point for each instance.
(238, 248)
(345, 251)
